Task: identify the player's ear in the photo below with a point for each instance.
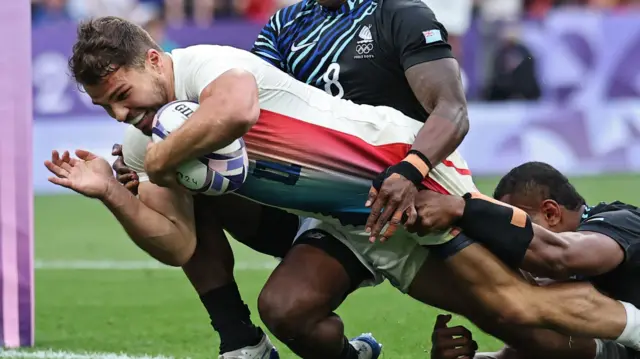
(551, 211)
(154, 59)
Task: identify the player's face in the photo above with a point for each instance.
(132, 95)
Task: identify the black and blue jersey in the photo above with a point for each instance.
(359, 51)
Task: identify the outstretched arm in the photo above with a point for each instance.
(562, 255)
(160, 221)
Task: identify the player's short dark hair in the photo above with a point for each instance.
(106, 44)
(541, 179)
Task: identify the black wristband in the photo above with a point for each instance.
(422, 157)
(493, 225)
(403, 168)
(408, 171)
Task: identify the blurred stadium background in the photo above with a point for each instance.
(555, 81)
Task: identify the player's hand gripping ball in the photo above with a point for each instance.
(222, 171)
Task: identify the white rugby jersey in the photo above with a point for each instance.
(309, 152)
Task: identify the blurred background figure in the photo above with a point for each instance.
(455, 15)
(200, 11)
(513, 71)
(134, 10)
(158, 30)
(49, 12)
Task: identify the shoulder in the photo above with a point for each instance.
(200, 60)
(204, 51)
(619, 221)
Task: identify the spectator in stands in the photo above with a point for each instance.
(136, 11)
(513, 71)
(201, 11)
(455, 15)
(48, 12)
(157, 29)
(256, 10)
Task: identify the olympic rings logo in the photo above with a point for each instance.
(363, 49)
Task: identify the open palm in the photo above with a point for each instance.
(88, 174)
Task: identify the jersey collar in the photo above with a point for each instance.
(585, 212)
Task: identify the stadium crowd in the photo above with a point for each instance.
(204, 12)
(504, 81)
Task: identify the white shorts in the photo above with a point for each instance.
(399, 258)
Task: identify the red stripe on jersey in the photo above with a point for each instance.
(283, 138)
(462, 171)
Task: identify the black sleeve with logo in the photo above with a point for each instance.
(415, 33)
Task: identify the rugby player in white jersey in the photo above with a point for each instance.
(242, 96)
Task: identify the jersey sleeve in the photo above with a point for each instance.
(416, 34)
(134, 149)
(623, 226)
(266, 45)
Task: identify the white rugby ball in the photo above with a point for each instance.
(217, 173)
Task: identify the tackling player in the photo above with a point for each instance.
(225, 79)
(595, 244)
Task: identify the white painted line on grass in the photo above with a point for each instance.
(55, 354)
(135, 265)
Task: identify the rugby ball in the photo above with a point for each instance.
(217, 173)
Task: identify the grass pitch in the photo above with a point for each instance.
(98, 293)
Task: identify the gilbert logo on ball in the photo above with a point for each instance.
(216, 173)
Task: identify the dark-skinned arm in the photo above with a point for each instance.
(596, 248)
(599, 246)
(562, 255)
(420, 43)
(438, 87)
(433, 74)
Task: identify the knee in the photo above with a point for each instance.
(287, 315)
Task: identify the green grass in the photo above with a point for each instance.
(156, 311)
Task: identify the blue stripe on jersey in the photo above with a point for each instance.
(342, 42)
(307, 22)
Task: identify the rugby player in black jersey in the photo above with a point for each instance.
(382, 52)
(597, 244)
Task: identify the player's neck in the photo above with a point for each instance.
(331, 4)
(170, 79)
(573, 218)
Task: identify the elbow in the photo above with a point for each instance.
(455, 110)
(247, 116)
(463, 122)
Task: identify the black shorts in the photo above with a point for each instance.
(278, 230)
(451, 248)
